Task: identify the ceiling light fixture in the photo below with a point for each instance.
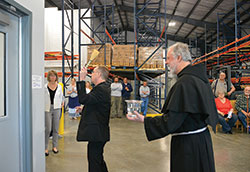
(171, 24)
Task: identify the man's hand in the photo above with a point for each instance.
(244, 112)
(126, 88)
(83, 74)
(78, 109)
(248, 114)
(62, 104)
(135, 117)
(221, 113)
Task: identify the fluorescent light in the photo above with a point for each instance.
(171, 24)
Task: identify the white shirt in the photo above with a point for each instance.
(58, 99)
(116, 89)
(88, 90)
(146, 91)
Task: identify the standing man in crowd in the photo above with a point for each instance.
(94, 123)
(126, 91)
(144, 94)
(222, 84)
(189, 108)
(116, 93)
(242, 105)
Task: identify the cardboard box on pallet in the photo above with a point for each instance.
(123, 55)
(156, 61)
(99, 60)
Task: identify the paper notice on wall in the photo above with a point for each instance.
(36, 81)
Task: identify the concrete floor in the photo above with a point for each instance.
(129, 150)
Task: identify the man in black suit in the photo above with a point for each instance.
(94, 123)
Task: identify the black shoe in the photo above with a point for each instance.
(229, 132)
(46, 154)
(55, 152)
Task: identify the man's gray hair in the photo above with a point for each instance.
(181, 49)
(103, 71)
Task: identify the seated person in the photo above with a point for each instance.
(242, 106)
(225, 110)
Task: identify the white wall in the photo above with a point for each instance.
(53, 31)
(37, 9)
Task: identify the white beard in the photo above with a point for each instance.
(172, 72)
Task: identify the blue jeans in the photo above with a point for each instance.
(242, 118)
(72, 113)
(227, 126)
(144, 105)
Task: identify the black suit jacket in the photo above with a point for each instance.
(94, 123)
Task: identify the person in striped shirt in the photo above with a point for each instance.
(242, 105)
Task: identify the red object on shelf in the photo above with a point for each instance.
(57, 55)
(60, 74)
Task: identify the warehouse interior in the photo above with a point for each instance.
(131, 38)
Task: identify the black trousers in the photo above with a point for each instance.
(95, 157)
(124, 105)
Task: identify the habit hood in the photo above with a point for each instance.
(192, 94)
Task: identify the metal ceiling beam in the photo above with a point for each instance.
(107, 16)
(246, 12)
(232, 11)
(225, 16)
(159, 10)
(245, 21)
(176, 6)
(208, 13)
(169, 36)
(52, 3)
(196, 23)
(126, 16)
(232, 21)
(90, 4)
(189, 14)
(119, 13)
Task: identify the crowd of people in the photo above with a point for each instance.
(120, 92)
(191, 141)
(222, 90)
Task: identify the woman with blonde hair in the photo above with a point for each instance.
(54, 101)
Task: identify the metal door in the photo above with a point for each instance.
(10, 127)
